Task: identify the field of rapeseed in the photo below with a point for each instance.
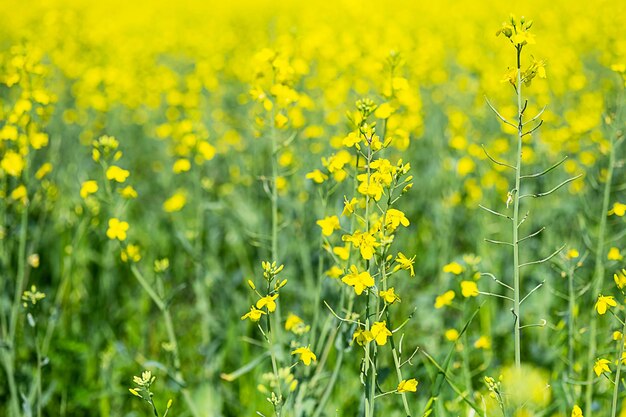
(302, 209)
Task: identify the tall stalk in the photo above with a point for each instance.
(516, 223)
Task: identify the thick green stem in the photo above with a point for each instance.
(618, 371)
(516, 191)
(598, 278)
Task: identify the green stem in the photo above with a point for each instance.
(598, 278)
(617, 381)
(518, 167)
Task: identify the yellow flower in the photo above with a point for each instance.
(13, 163)
(88, 187)
(482, 342)
(268, 301)
(395, 218)
(317, 176)
(405, 263)
(444, 299)
(453, 268)
(20, 194)
(380, 333)
(343, 252)
(280, 120)
(364, 241)
(296, 325)
(451, 335)
(618, 209)
(362, 336)
(306, 355)
(43, 170)
(117, 174)
(334, 272)
(389, 296)
(407, 385)
(617, 335)
(348, 206)
(577, 412)
(253, 314)
(469, 289)
(329, 224)
(358, 280)
(572, 254)
(175, 202)
(601, 366)
(38, 140)
(117, 229)
(128, 192)
(181, 165)
(206, 150)
(604, 302)
(614, 254)
(131, 252)
(384, 111)
(620, 278)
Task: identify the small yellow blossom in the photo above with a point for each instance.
(358, 280)
(20, 194)
(253, 314)
(329, 224)
(117, 174)
(334, 272)
(268, 301)
(395, 218)
(43, 170)
(88, 187)
(408, 385)
(349, 206)
(618, 209)
(364, 241)
(380, 333)
(614, 254)
(444, 299)
(343, 252)
(389, 296)
(604, 302)
(453, 268)
(131, 252)
(617, 335)
(577, 412)
(572, 254)
(117, 229)
(296, 325)
(181, 165)
(601, 366)
(620, 278)
(469, 289)
(175, 203)
(128, 192)
(306, 355)
(451, 335)
(13, 163)
(405, 263)
(482, 342)
(317, 176)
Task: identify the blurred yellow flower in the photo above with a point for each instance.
(453, 268)
(117, 174)
(175, 203)
(444, 299)
(88, 187)
(329, 224)
(614, 254)
(469, 289)
(117, 229)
